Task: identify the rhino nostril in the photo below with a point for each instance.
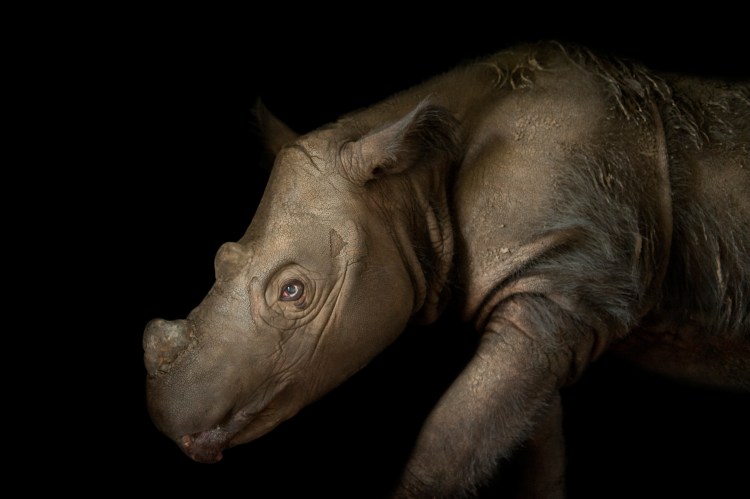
(162, 343)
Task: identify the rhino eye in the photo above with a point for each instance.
(292, 290)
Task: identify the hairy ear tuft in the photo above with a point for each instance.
(275, 132)
(428, 134)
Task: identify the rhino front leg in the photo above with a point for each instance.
(543, 458)
(508, 393)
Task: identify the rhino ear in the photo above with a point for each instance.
(275, 132)
(428, 134)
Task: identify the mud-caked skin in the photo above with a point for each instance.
(568, 204)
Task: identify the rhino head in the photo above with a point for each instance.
(351, 240)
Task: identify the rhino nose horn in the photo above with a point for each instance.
(162, 343)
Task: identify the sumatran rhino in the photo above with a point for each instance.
(565, 203)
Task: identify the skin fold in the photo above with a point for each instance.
(567, 205)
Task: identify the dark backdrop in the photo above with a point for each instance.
(187, 166)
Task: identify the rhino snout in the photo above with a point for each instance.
(162, 342)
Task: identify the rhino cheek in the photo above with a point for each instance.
(371, 312)
(286, 402)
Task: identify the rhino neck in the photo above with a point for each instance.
(417, 215)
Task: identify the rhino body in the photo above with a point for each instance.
(565, 204)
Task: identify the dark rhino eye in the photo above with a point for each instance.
(292, 290)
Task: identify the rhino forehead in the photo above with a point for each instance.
(310, 157)
(297, 202)
(297, 237)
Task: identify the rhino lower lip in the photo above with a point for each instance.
(207, 446)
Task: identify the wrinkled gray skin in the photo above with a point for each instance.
(572, 204)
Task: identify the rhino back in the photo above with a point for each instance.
(708, 134)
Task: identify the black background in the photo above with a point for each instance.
(182, 177)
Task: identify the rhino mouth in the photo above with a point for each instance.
(206, 446)
(244, 426)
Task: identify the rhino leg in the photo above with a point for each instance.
(507, 394)
(543, 458)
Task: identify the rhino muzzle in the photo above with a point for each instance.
(163, 341)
